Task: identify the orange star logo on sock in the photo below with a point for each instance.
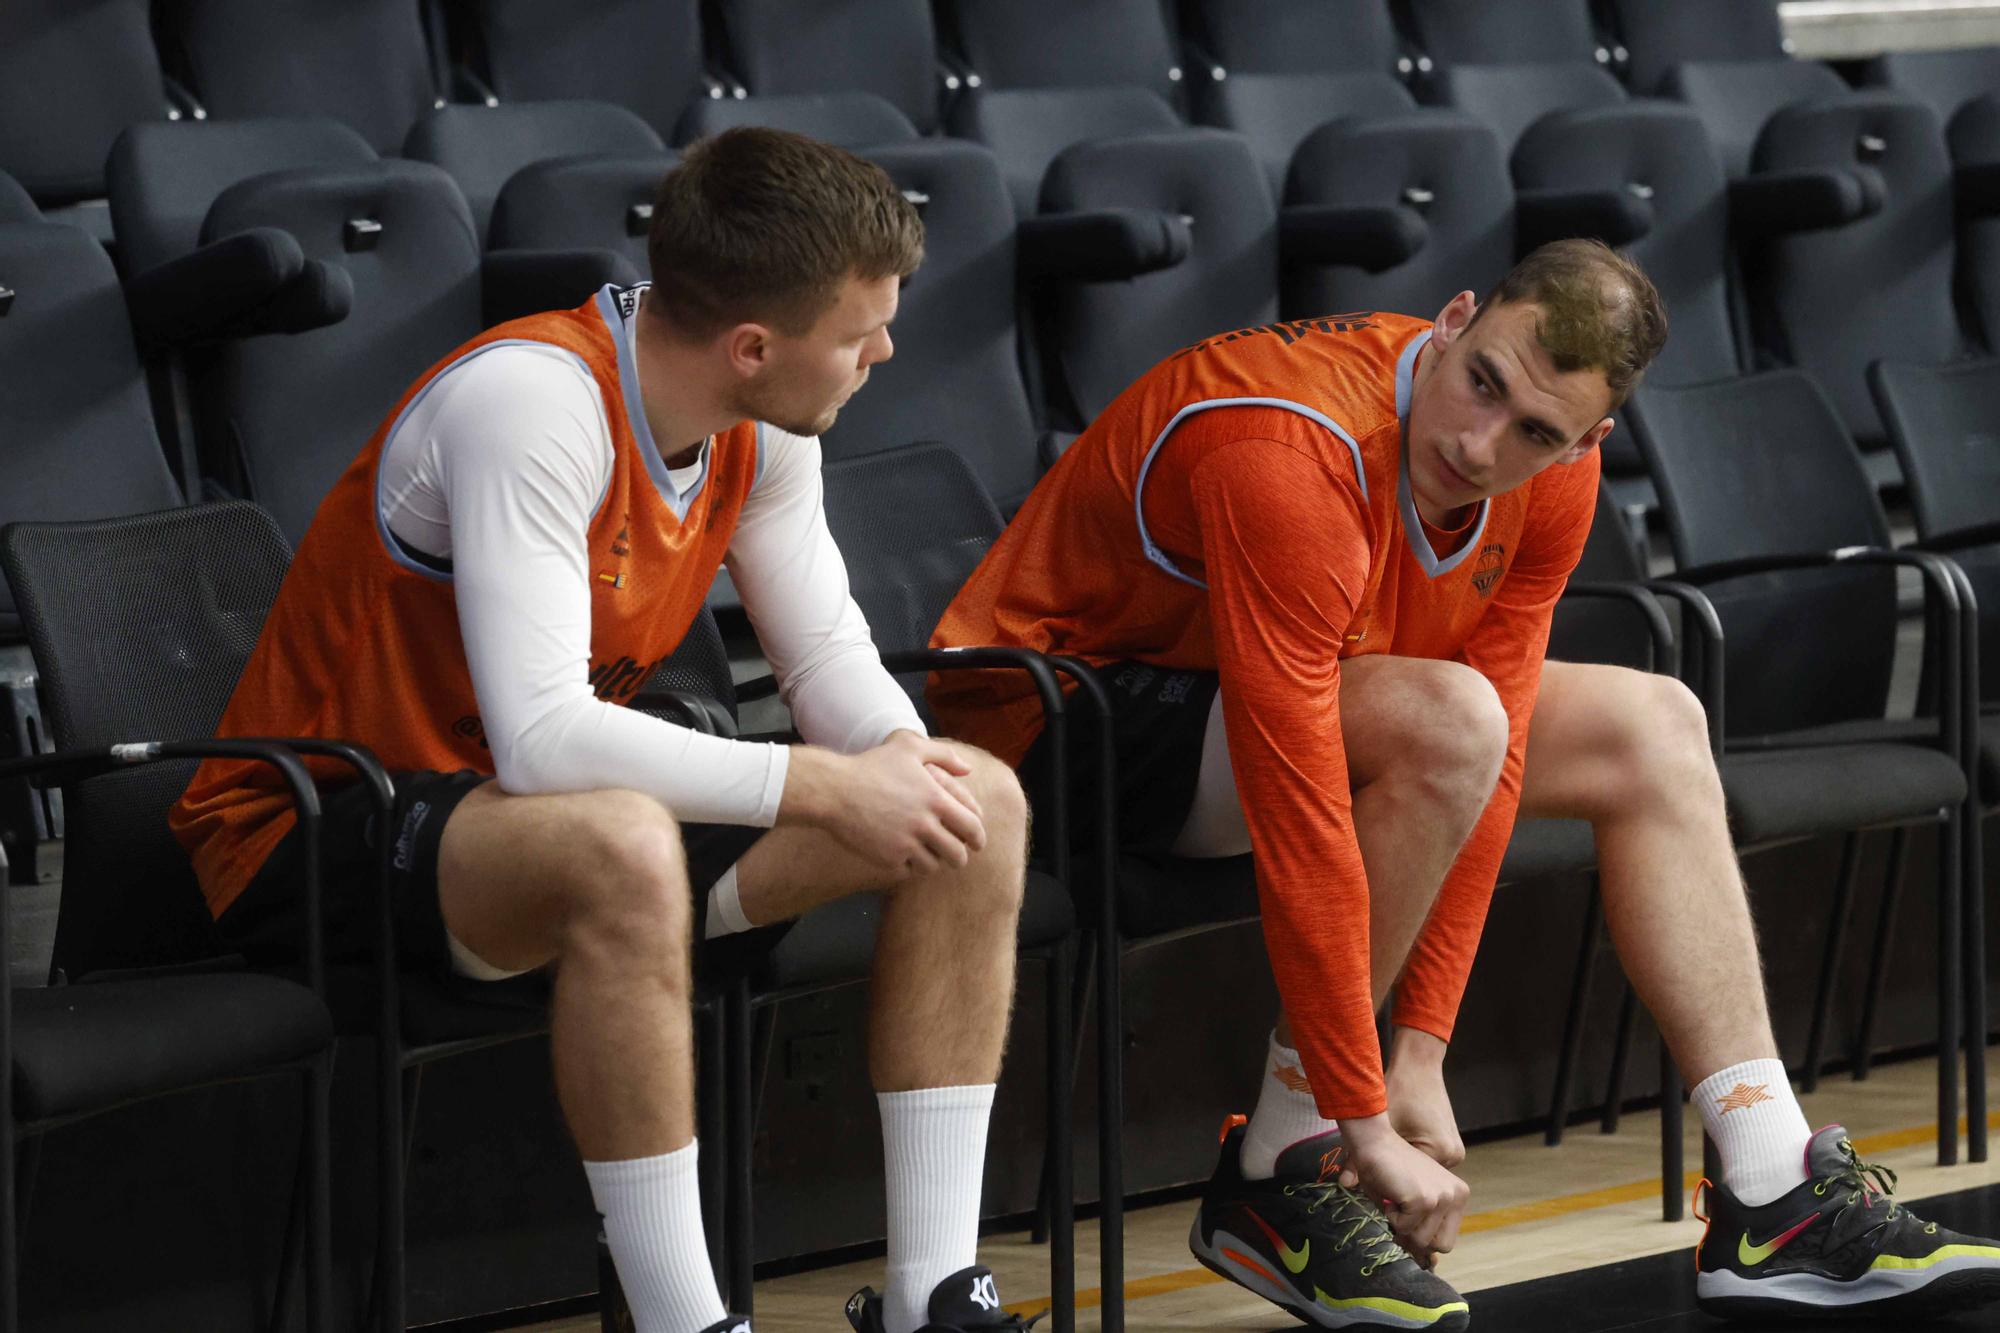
(1742, 1097)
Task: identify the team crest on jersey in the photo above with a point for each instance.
(1492, 564)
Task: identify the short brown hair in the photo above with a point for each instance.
(761, 224)
(1599, 310)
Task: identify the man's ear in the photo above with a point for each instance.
(748, 348)
(1454, 318)
(1590, 440)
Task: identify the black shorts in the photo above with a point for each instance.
(266, 923)
(1159, 720)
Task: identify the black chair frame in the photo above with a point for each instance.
(20, 1140)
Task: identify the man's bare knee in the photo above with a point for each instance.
(1659, 731)
(627, 898)
(1457, 737)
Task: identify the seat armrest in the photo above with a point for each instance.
(1616, 217)
(1659, 634)
(1778, 203)
(1950, 628)
(1374, 238)
(252, 282)
(685, 708)
(76, 765)
(1103, 245)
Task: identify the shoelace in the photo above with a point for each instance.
(1351, 1207)
(1865, 1179)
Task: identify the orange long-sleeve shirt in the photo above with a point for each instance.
(1242, 508)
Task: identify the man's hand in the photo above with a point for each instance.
(1423, 1201)
(1419, 1108)
(901, 806)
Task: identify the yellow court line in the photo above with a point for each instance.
(1494, 1219)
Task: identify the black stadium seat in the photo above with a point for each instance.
(1101, 336)
(1810, 286)
(583, 203)
(80, 436)
(1725, 58)
(71, 77)
(1770, 512)
(1660, 34)
(956, 374)
(832, 49)
(364, 62)
(1064, 43)
(1511, 62)
(482, 147)
(164, 178)
(1446, 171)
(1283, 68)
(1506, 32)
(1947, 80)
(645, 55)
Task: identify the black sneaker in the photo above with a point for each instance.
(733, 1324)
(1837, 1246)
(1345, 1270)
(965, 1300)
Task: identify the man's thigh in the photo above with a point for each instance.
(507, 865)
(1388, 704)
(1577, 738)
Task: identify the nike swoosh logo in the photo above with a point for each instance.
(1752, 1255)
(1295, 1260)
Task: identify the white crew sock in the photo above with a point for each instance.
(1285, 1113)
(725, 909)
(1749, 1111)
(933, 1157)
(652, 1219)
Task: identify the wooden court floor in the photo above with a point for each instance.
(1535, 1212)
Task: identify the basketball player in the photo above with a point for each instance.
(1323, 559)
(534, 526)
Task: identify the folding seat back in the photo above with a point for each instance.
(297, 409)
(1840, 299)
(71, 77)
(1973, 138)
(956, 375)
(582, 203)
(365, 62)
(1660, 34)
(1295, 36)
(1505, 32)
(1446, 168)
(80, 436)
(1103, 335)
(912, 525)
(1065, 43)
(1510, 98)
(1946, 80)
(1945, 422)
(1287, 67)
(1027, 129)
(851, 120)
(645, 55)
(887, 48)
(1590, 629)
(164, 178)
(482, 147)
(1737, 98)
(1761, 466)
(1660, 153)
